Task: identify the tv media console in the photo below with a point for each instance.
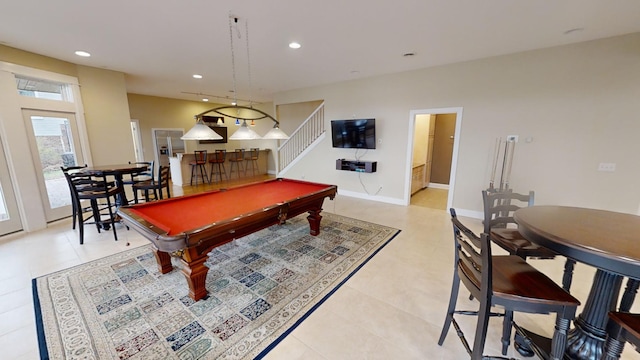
(358, 166)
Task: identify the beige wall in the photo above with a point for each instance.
(25, 58)
(104, 95)
(578, 104)
(291, 116)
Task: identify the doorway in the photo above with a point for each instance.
(429, 148)
(53, 139)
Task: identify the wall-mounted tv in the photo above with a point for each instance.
(354, 133)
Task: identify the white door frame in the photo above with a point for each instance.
(59, 212)
(454, 157)
(137, 140)
(10, 205)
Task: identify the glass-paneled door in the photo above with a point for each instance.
(9, 216)
(54, 142)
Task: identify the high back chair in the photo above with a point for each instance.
(499, 206)
(74, 210)
(157, 185)
(95, 190)
(252, 160)
(198, 164)
(237, 159)
(142, 176)
(622, 327)
(508, 282)
(217, 165)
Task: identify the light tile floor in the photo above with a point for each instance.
(393, 308)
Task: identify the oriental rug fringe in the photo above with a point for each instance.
(261, 287)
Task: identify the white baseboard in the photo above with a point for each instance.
(438, 186)
(359, 195)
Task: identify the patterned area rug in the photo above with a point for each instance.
(261, 287)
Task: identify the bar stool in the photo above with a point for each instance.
(218, 162)
(252, 160)
(237, 158)
(199, 162)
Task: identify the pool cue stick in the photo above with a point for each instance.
(495, 164)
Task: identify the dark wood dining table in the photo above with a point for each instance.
(117, 171)
(606, 240)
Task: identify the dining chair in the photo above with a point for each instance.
(157, 185)
(93, 189)
(237, 159)
(217, 165)
(142, 176)
(622, 327)
(252, 160)
(499, 206)
(82, 181)
(199, 162)
(507, 282)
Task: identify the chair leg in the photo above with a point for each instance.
(74, 213)
(506, 331)
(112, 219)
(211, 173)
(224, 171)
(567, 277)
(612, 349)
(629, 295)
(559, 341)
(481, 330)
(135, 196)
(453, 298)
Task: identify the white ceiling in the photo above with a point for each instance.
(159, 44)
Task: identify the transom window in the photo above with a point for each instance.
(43, 89)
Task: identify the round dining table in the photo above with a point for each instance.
(606, 240)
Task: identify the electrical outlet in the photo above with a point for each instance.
(609, 167)
(513, 138)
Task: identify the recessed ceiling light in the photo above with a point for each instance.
(295, 45)
(197, 76)
(234, 103)
(205, 99)
(82, 53)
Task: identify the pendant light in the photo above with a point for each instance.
(200, 131)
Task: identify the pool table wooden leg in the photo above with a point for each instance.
(164, 261)
(314, 221)
(196, 274)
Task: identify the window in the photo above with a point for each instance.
(43, 89)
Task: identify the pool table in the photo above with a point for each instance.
(188, 227)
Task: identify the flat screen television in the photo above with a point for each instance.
(354, 133)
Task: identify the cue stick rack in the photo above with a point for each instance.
(503, 157)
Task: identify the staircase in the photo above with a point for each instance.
(306, 135)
